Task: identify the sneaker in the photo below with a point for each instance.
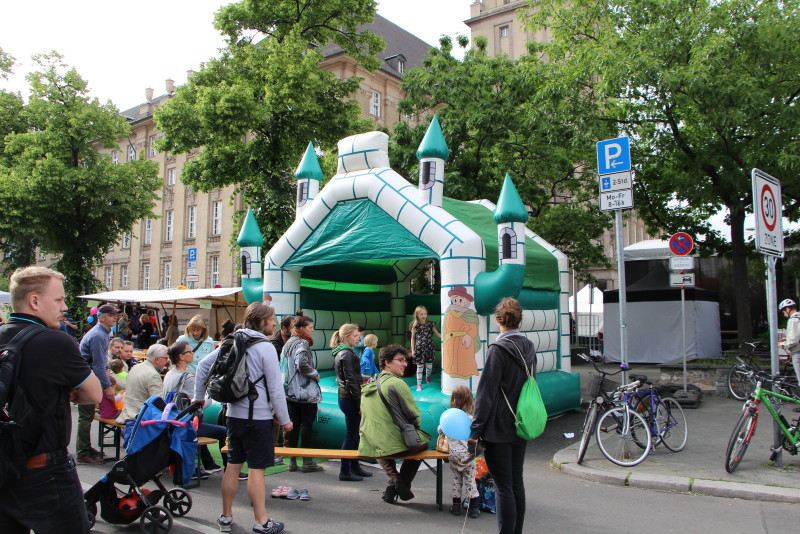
(419, 388)
(213, 469)
(242, 476)
(311, 468)
(200, 474)
(294, 494)
(304, 494)
(224, 523)
(270, 527)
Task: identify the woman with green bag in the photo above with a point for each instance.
(509, 362)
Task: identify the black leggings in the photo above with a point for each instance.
(302, 416)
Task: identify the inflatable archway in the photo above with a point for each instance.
(356, 245)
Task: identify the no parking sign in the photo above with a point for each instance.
(768, 210)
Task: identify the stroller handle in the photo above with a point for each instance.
(155, 421)
(192, 408)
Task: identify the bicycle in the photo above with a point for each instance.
(600, 401)
(746, 426)
(740, 376)
(622, 434)
(665, 418)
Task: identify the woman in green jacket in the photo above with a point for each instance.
(379, 435)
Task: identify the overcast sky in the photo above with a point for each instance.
(121, 48)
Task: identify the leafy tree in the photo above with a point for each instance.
(255, 109)
(706, 89)
(497, 118)
(57, 187)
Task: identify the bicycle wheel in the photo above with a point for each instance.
(740, 383)
(615, 436)
(671, 424)
(588, 428)
(740, 439)
(642, 407)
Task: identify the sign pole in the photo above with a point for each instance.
(683, 328)
(772, 316)
(623, 299)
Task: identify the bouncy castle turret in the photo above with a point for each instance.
(250, 242)
(432, 153)
(510, 215)
(308, 175)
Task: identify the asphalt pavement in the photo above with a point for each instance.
(700, 467)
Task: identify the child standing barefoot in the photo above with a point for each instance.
(462, 463)
(422, 331)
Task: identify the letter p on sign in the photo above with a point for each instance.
(613, 155)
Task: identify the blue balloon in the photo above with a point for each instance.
(455, 423)
(90, 319)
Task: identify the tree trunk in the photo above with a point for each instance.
(744, 322)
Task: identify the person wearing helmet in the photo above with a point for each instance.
(792, 343)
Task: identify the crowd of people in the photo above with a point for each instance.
(382, 418)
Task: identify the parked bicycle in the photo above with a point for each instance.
(599, 401)
(665, 417)
(622, 434)
(741, 383)
(746, 426)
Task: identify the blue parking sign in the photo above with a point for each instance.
(613, 155)
(192, 255)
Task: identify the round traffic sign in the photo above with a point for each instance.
(681, 244)
(768, 207)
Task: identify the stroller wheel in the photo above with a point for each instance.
(91, 512)
(178, 501)
(156, 520)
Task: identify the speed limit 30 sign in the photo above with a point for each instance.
(768, 212)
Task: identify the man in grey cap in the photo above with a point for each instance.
(94, 349)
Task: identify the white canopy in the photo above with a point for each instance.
(183, 298)
(649, 249)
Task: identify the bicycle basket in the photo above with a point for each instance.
(599, 383)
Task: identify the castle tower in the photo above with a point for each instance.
(510, 215)
(432, 153)
(250, 242)
(308, 175)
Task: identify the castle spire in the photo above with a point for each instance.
(432, 153)
(308, 175)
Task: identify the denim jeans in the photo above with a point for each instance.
(48, 500)
(352, 420)
(505, 462)
(204, 430)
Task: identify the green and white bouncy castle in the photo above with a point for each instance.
(355, 246)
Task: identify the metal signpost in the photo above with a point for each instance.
(616, 193)
(681, 244)
(768, 211)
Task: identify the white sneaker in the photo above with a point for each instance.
(224, 523)
(270, 527)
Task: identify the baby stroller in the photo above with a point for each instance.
(161, 438)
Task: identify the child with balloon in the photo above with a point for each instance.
(455, 424)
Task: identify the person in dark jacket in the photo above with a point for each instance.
(493, 422)
(348, 376)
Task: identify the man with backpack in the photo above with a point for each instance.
(244, 372)
(45, 493)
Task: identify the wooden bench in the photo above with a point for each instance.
(340, 454)
(106, 427)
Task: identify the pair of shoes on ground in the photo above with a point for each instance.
(288, 492)
(225, 522)
(473, 511)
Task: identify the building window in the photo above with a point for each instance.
(214, 271)
(167, 275)
(401, 66)
(131, 152)
(115, 157)
(169, 225)
(148, 230)
(123, 276)
(375, 104)
(427, 175)
(216, 218)
(302, 192)
(146, 276)
(126, 240)
(172, 175)
(152, 151)
(191, 231)
(508, 244)
(108, 274)
(503, 31)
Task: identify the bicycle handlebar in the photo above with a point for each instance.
(622, 366)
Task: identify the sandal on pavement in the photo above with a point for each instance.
(286, 491)
(276, 492)
(293, 495)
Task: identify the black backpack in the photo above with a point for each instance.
(15, 410)
(228, 380)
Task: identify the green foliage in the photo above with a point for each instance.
(707, 90)
(499, 115)
(57, 190)
(254, 109)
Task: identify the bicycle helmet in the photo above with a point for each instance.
(786, 303)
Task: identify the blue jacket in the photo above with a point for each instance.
(94, 349)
